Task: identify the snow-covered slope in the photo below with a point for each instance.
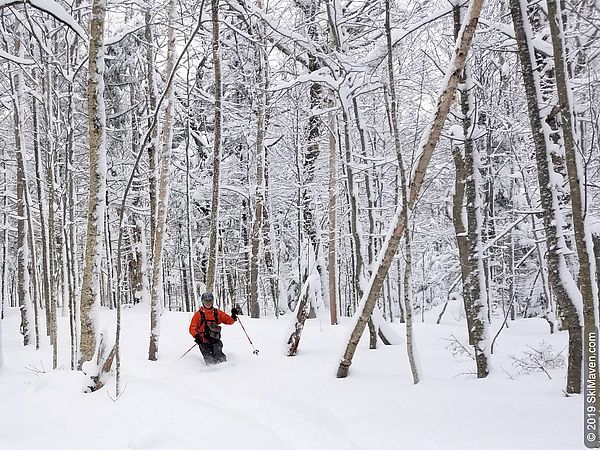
(272, 402)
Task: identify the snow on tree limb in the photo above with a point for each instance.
(430, 138)
(54, 9)
(378, 54)
(433, 131)
(15, 59)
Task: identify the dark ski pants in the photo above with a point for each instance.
(212, 352)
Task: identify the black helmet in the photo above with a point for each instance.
(208, 297)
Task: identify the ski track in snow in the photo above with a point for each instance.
(273, 402)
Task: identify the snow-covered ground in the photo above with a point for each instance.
(273, 402)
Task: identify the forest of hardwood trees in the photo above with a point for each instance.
(298, 158)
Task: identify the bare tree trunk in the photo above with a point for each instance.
(152, 102)
(429, 141)
(22, 246)
(557, 269)
(310, 11)
(458, 210)
(157, 292)
(549, 315)
(331, 247)
(259, 194)
(583, 238)
(458, 218)
(49, 168)
(90, 285)
(216, 183)
(410, 340)
(408, 308)
(188, 213)
(271, 261)
(474, 286)
(71, 231)
(43, 210)
(357, 245)
(35, 282)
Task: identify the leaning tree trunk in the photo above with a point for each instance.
(157, 291)
(430, 138)
(90, 285)
(216, 182)
(567, 295)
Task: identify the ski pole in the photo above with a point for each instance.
(255, 352)
(187, 351)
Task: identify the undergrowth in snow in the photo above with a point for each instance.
(274, 402)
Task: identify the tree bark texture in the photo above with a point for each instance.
(90, 285)
(583, 238)
(157, 292)
(429, 141)
(214, 210)
(557, 268)
(474, 287)
(22, 240)
(259, 195)
(410, 339)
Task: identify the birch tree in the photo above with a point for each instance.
(157, 293)
(404, 218)
(259, 195)
(90, 285)
(426, 147)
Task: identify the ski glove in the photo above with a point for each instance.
(234, 313)
(197, 339)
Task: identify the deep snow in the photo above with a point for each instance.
(273, 402)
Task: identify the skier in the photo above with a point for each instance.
(206, 329)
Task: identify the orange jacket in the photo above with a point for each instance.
(197, 325)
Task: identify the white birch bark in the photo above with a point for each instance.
(410, 338)
(428, 142)
(90, 285)
(157, 293)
